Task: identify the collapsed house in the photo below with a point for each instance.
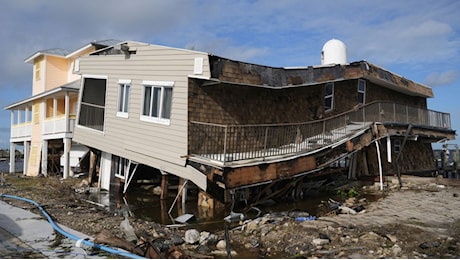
(233, 127)
(227, 125)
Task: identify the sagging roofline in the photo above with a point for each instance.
(223, 71)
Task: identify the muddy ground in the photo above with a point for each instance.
(421, 220)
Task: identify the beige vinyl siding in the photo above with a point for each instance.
(157, 145)
(38, 82)
(56, 71)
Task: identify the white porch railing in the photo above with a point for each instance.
(21, 130)
(58, 125)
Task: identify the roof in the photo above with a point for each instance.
(66, 53)
(73, 86)
(223, 71)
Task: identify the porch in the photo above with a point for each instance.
(233, 145)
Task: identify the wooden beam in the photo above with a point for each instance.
(237, 177)
(164, 187)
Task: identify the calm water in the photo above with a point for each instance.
(5, 166)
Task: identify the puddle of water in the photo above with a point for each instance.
(147, 206)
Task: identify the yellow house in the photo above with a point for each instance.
(43, 123)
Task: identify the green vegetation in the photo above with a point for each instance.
(350, 193)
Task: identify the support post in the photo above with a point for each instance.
(184, 196)
(365, 164)
(44, 163)
(388, 149)
(67, 144)
(12, 157)
(409, 128)
(164, 186)
(67, 112)
(92, 166)
(26, 157)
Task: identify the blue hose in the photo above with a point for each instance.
(60, 230)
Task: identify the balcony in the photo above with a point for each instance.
(229, 144)
(23, 130)
(58, 125)
(51, 126)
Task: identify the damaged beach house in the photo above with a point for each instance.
(232, 129)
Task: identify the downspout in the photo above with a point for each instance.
(409, 128)
(380, 164)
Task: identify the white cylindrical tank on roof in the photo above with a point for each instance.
(334, 52)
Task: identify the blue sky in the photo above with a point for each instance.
(417, 39)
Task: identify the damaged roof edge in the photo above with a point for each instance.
(223, 70)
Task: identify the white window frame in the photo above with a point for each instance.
(122, 168)
(331, 96)
(126, 85)
(156, 84)
(362, 82)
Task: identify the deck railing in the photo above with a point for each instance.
(58, 125)
(229, 143)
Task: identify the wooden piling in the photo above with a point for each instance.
(164, 187)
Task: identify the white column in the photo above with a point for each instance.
(12, 157)
(12, 118)
(184, 195)
(67, 112)
(26, 156)
(26, 116)
(44, 170)
(67, 146)
(388, 149)
(55, 101)
(19, 116)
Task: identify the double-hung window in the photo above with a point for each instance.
(157, 101)
(361, 91)
(329, 97)
(123, 98)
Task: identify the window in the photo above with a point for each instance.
(397, 147)
(38, 66)
(92, 106)
(329, 97)
(120, 166)
(157, 102)
(123, 98)
(361, 91)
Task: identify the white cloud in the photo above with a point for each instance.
(441, 78)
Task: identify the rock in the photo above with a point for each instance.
(128, 231)
(204, 235)
(324, 236)
(346, 210)
(252, 225)
(157, 190)
(396, 249)
(176, 240)
(351, 201)
(192, 236)
(392, 238)
(221, 245)
(223, 252)
(426, 245)
(202, 249)
(265, 230)
(371, 236)
(320, 241)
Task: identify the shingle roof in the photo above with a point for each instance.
(56, 51)
(108, 42)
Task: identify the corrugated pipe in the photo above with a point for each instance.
(79, 240)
